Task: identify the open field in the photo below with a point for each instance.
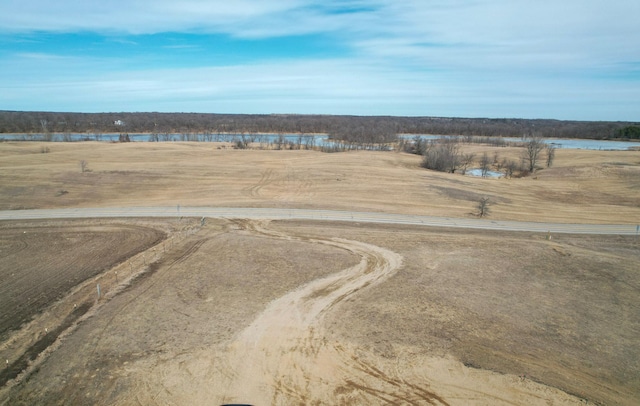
(303, 312)
(582, 186)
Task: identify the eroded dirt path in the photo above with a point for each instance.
(285, 356)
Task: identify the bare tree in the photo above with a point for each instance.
(46, 134)
(310, 142)
(465, 161)
(485, 164)
(124, 138)
(551, 154)
(533, 146)
(84, 166)
(509, 166)
(483, 206)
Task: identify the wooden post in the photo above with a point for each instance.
(98, 290)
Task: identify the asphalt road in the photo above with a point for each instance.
(319, 215)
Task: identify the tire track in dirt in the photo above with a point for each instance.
(286, 356)
(283, 356)
(295, 186)
(286, 185)
(266, 177)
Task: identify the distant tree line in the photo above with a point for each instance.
(631, 132)
(351, 129)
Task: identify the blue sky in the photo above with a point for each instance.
(574, 59)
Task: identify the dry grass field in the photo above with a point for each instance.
(582, 186)
(294, 312)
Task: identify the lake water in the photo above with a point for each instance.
(478, 172)
(568, 143)
(593, 144)
(315, 139)
(111, 137)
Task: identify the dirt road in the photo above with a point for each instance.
(282, 355)
(322, 215)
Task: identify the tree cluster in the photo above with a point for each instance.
(444, 155)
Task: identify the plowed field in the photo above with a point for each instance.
(41, 262)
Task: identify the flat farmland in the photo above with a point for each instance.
(41, 262)
(317, 312)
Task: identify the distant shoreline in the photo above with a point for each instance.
(343, 127)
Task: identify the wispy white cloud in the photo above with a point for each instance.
(135, 17)
(312, 86)
(453, 57)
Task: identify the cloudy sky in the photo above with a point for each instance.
(569, 59)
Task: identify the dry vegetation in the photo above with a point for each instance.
(562, 312)
(582, 186)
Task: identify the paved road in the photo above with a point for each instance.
(324, 215)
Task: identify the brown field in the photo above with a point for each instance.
(314, 312)
(582, 186)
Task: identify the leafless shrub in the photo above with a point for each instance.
(483, 206)
(509, 166)
(443, 155)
